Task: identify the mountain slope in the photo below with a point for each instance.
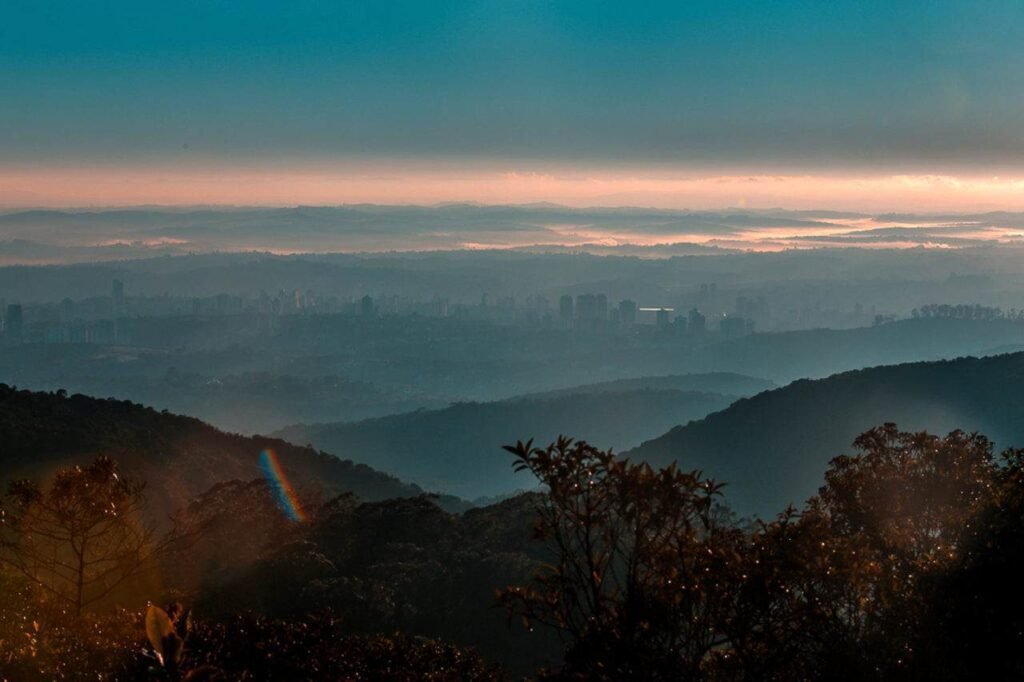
(179, 457)
(773, 448)
(723, 383)
(458, 449)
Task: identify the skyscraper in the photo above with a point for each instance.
(627, 311)
(565, 308)
(67, 311)
(661, 318)
(13, 322)
(117, 294)
(732, 327)
(586, 307)
(697, 323)
(366, 306)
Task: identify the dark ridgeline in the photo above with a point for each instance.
(447, 449)
(178, 456)
(772, 447)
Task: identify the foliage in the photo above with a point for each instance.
(771, 448)
(978, 612)
(167, 631)
(241, 647)
(81, 538)
(651, 579)
(904, 566)
(179, 457)
(395, 443)
(892, 521)
(41, 643)
(319, 647)
(402, 564)
(645, 568)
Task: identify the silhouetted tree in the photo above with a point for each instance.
(80, 538)
(647, 568)
(890, 521)
(651, 579)
(978, 619)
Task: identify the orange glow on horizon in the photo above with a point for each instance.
(421, 183)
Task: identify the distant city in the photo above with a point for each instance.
(122, 319)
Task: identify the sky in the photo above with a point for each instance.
(867, 105)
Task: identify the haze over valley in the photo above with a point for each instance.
(478, 341)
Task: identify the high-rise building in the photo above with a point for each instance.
(755, 309)
(222, 303)
(586, 307)
(366, 306)
(117, 293)
(661, 318)
(439, 306)
(565, 308)
(13, 322)
(732, 327)
(627, 311)
(601, 312)
(696, 322)
(67, 311)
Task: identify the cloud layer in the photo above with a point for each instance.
(45, 236)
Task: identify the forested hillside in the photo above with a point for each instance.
(178, 456)
(458, 449)
(773, 447)
(724, 383)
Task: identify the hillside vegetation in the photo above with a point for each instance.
(457, 450)
(772, 448)
(178, 456)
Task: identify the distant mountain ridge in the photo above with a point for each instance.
(771, 449)
(723, 383)
(458, 449)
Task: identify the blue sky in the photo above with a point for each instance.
(787, 84)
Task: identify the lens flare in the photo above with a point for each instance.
(283, 490)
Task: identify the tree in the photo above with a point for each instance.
(230, 526)
(646, 568)
(650, 578)
(82, 537)
(979, 617)
(885, 530)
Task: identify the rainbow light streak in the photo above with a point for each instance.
(283, 490)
